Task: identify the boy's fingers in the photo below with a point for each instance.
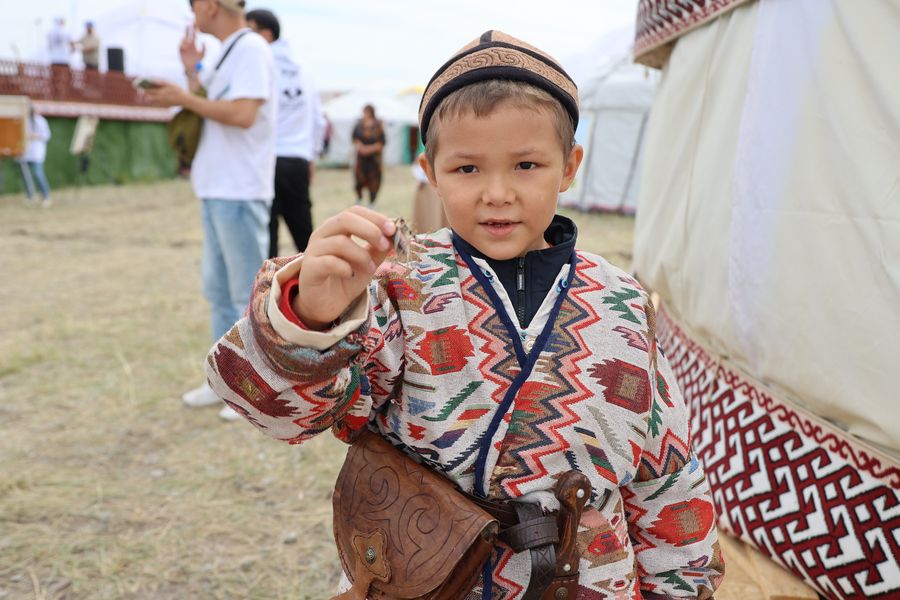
(353, 223)
(336, 266)
(345, 249)
(385, 224)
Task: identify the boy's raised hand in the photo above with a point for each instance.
(336, 268)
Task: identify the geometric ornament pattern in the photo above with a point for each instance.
(626, 385)
(660, 22)
(787, 482)
(684, 523)
(431, 376)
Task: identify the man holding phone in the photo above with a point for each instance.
(234, 167)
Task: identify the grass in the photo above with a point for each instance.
(109, 488)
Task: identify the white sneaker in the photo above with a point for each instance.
(200, 397)
(229, 414)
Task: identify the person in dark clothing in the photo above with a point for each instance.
(299, 132)
(368, 139)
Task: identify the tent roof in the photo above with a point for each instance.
(388, 107)
(627, 85)
(610, 50)
(167, 11)
(149, 31)
(607, 76)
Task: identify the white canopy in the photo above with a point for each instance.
(149, 32)
(770, 209)
(398, 115)
(615, 99)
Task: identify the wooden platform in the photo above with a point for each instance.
(63, 92)
(750, 575)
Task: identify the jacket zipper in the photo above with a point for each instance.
(520, 291)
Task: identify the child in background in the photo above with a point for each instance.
(498, 354)
(32, 162)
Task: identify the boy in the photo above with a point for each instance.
(498, 354)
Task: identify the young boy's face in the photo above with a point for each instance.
(499, 177)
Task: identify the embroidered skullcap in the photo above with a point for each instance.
(496, 55)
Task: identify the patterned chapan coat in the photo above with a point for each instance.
(432, 360)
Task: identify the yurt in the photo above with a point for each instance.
(768, 225)
(615, 96)
(614, 106)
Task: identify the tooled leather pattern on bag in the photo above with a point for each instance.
(429, 526)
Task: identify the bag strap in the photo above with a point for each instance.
(229, 49)
(225, 55)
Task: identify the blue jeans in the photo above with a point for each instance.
(235, 244)
(37, 169)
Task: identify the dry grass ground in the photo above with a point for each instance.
(109, 488)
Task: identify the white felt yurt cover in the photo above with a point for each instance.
(769, 215)
(149, 33)
(769, 224)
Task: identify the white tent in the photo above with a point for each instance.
(615, 99)
(398, 116)
(149, 32)
(769, 227)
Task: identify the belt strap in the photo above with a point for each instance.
(539, 534)
(525, 527)
(533, 532)
(502, 511)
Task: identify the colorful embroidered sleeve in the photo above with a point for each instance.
(668, 506)
(293, 383)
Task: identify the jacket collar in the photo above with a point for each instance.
(561, 234)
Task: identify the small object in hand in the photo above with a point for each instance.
(402, 240)
(144, 84)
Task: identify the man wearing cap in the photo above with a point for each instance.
(90, 47)
(234, 167)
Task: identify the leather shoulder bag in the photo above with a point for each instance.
(185, 127)
(404, 531)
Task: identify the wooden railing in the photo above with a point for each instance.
(62, 84)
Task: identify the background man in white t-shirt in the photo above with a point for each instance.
(59, 47)
(299, 134)
(234, 168)
(59, 43)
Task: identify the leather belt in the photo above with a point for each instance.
(550, 538)
(539, 534)
(502, 511)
